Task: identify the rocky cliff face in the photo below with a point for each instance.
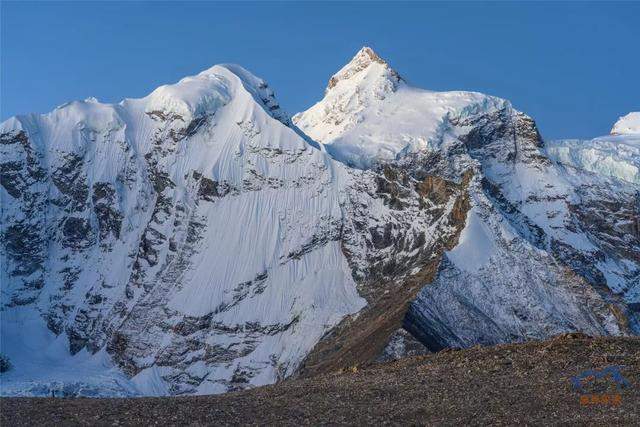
(198, 241)
(545, 247)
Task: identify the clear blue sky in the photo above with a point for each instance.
(574, 67)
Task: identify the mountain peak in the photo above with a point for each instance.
(629, 124)
(203, 94)
(360, 62)
(366, 53)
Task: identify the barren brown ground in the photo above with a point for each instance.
(502, 385)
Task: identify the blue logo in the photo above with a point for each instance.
(613, 372)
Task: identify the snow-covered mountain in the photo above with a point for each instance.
(197, 240)
(546, 247)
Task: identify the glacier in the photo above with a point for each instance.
(616, 156)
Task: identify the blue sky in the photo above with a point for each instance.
(574, 67)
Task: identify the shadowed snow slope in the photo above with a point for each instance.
(197, 241)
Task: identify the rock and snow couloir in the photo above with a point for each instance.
(198, 241)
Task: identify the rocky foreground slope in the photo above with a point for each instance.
(509, 384)
(198, 240)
